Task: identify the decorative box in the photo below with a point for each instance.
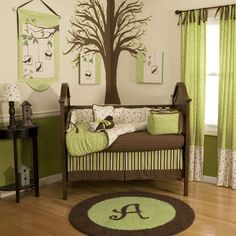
(164, 122)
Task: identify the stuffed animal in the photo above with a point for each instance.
(107, 123)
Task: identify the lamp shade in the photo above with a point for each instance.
(10, 93)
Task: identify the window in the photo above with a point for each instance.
(212, 75)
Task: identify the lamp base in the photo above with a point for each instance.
(12, 121)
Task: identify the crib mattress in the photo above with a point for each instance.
(143, 141)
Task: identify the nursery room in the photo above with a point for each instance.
(118, 117)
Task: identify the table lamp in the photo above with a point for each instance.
(10, 93)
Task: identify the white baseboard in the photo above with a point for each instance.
(42, 181)
(209, 179)
(4, 194)
(50, 179)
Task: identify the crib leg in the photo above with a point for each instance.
(186, 186)
(64, 182)
(64, 191)
(186, 167)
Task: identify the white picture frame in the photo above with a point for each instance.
(150, 67)
(89, 69)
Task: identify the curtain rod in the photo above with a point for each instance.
(177, 12)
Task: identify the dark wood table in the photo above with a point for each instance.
(22, 133)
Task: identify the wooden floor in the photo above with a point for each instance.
(215, 207)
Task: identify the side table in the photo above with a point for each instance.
(22, 133)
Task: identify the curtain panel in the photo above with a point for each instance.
(193, 35)
(227, 99)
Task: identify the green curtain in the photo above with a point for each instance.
(227, 99)
(194, 75)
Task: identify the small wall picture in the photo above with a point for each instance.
(89, 68)
(150, 67)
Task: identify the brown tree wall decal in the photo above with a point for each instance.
(108, 32)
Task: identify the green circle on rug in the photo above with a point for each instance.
(131, 213)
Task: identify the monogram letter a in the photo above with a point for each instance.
(124, 212)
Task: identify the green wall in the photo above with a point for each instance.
(210, 156)
(48, 151)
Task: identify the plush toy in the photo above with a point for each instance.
(101, 125)
(107, 123)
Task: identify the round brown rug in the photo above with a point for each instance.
(131, 214)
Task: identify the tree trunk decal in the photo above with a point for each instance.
(108, 33)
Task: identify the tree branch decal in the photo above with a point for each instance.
(88, 28)
(108, 33)
(40, 32)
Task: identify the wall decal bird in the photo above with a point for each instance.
(39, 67)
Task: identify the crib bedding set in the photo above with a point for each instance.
(82, 137)
(125, 142)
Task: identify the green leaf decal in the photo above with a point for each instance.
(35, 40)
(49, 43)
(30, 37)
(25, 43)
(24, 36)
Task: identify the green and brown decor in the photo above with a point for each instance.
(131, 214)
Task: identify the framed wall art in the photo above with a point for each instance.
(38, 48)
(150, 67)
(89, 69)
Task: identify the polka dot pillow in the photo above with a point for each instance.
(101, 112)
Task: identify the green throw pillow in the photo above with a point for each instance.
(164, 122)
